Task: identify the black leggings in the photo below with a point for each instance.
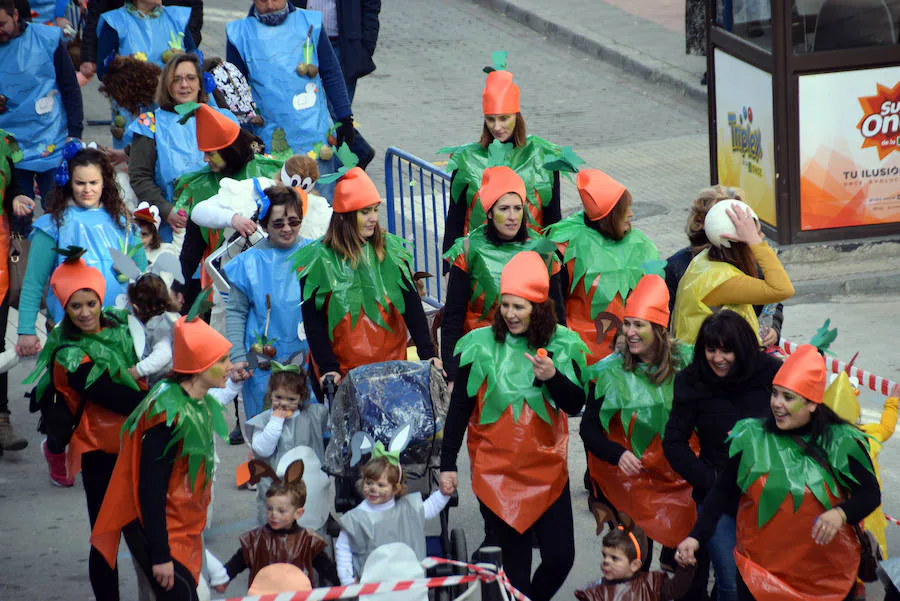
(555, 534)
(185, 587)
(96, 470)
(4, 378)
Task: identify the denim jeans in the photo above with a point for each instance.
(45, 183)
(721, 554)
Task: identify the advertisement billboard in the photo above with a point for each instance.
(745, 132)
(849, 153)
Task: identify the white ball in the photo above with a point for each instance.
(718, 222)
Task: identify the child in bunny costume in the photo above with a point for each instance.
(387, 514)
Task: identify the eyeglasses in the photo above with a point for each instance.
(184, 78)
(280, 223)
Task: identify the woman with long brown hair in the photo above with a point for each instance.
(359, 300)
(725, 274)
(627, 410)
(84, 210)
(524, 154)
(517, 381)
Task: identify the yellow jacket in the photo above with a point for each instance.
(880, 433)
(702, 277)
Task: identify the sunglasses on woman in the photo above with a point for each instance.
(291, 222)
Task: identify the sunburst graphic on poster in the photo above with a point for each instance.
(880, 123)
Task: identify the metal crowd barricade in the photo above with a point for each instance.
(418, 194)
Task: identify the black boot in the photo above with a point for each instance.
(236, 438)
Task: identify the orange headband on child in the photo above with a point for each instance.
(637, 547)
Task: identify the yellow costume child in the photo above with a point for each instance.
(841, 398)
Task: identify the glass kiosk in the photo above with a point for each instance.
(804, 113)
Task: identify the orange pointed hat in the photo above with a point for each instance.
(215, 131)
(279, 578)
(649, 301)
(497, 181)
(500, 95)
(354, 191)
(196, 346)
(526, 275)
(73, 275)
(803, 373)
(599, 193)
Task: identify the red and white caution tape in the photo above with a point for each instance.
(869, 380)
(371, 588)
(894, 521)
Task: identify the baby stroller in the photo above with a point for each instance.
(378, 399)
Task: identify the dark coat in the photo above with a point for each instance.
(358, 35)
(710, 406)
(98, 7)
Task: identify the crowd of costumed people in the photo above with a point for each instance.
(704, 443)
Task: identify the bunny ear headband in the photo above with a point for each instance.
(165, 262)
(362, 444)
(260, 469)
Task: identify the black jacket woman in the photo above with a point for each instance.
(729, 379)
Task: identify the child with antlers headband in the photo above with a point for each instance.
(387, 514)
(281, 539)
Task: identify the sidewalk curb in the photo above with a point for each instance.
(882, 282)
(604, 48)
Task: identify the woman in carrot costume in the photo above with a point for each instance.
(359, 300)
(161, 486)
(517, 381)
(799, 478)
(603, 259)
(503, 137)
(230, 153)
(85, 362)
(626, 414)
(473, 291)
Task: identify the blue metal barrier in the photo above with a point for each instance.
(417, 197)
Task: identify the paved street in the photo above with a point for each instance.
(426, 94)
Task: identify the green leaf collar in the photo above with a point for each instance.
(630, 394)
(509, 375)
(619, 264)
(486, 260)
(195, 420)
(111, 349)
(360, 290)
(789, 469)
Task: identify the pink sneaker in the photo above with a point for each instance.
(57, 464)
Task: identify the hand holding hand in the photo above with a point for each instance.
(448, 482)
(28, 345)
(746, 228)
(240, 371)
(133, 372)
(177, 219)
(243, 226)
(22, 205)
(543, 366)
(684, 554)
(630, 464)
(827, 525)
(220, 588)
(164, 573)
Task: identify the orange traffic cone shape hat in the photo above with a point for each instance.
(497, 181)
(599, 193)
(526, 276)
(500, 95)
(279, 578)
(215, 131)
(803, 373)
(196, 346)
(354, 191)
(649, 301)
(73, 275)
